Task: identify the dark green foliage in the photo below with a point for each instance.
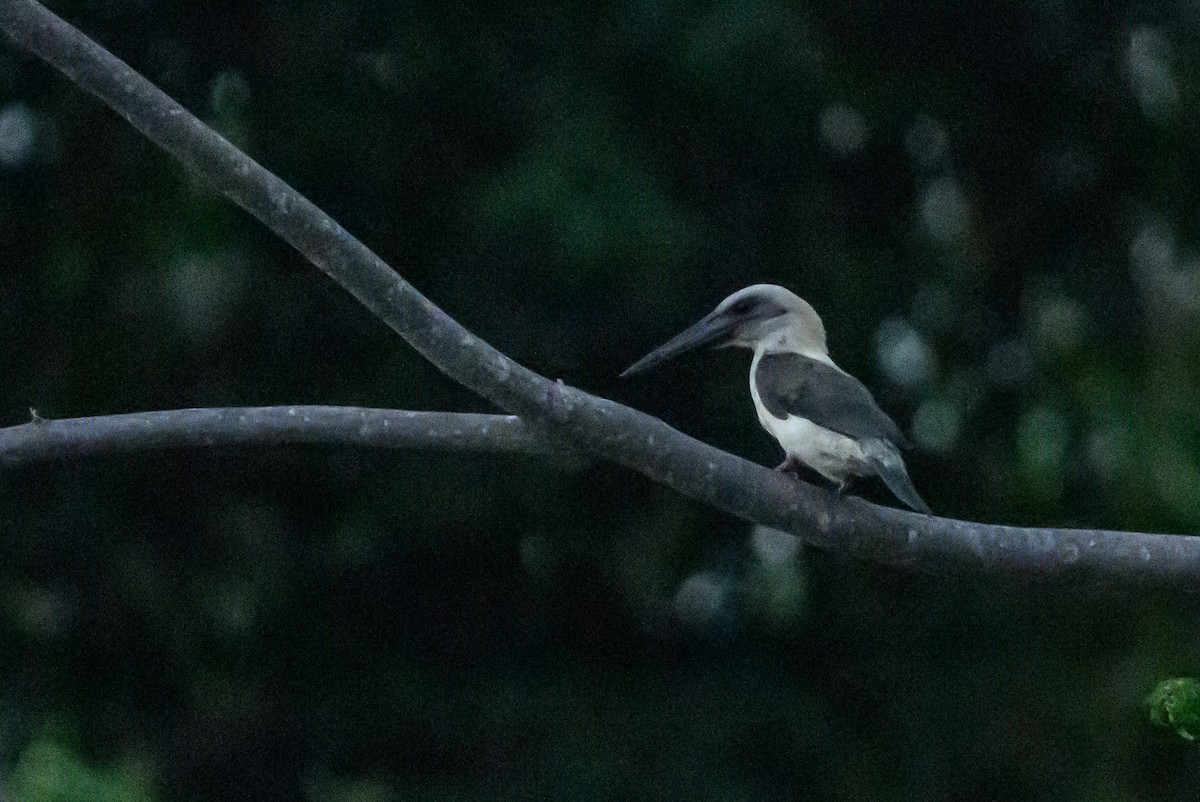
(993, 207)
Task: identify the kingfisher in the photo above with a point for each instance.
(823, 417)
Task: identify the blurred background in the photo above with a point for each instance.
(995, 208)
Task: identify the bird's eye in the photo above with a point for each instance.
(742, 307)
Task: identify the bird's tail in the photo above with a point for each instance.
(889, 466)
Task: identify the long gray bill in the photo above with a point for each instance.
(710, 329)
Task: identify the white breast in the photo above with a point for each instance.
(829, 453)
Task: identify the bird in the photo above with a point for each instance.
(823, 417)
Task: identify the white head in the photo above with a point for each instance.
(773, 318)
(763, 317)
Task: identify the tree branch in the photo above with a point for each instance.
(597, 426)
(70, 438)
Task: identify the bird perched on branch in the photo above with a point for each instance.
(822, 416)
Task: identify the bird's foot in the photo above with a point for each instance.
(789, 466)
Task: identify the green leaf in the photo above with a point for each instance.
(1176, 703)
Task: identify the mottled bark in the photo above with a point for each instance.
(43, 440)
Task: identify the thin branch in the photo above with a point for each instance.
(596, 426)
(71, 438)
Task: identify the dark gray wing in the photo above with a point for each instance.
(792, 384)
